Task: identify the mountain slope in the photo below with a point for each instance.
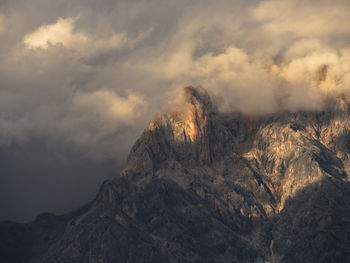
(201, 186)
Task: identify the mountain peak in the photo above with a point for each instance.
(188, 131)
(201, 186)
(188, 117)
(199, 97)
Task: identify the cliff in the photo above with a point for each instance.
(201, 186)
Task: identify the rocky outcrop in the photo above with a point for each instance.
(192, 134)
(201, 186)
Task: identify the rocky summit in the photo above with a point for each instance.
(202, 186)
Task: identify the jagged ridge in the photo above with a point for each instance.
(201, 186)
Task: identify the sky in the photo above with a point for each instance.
(80, 80)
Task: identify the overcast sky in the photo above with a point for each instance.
(79, 80)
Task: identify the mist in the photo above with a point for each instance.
(80, 80)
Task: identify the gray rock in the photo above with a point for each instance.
(201, 186)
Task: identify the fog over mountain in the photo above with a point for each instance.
(79, 80)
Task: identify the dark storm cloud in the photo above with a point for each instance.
(85, 77)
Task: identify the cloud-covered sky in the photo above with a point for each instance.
(79, 80)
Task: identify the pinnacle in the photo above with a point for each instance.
(199, 97)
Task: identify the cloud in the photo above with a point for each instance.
(84, 121)
(280, 74)
(305, 18)
(235, 80)
(83, 78)
(95, 115)
(62, 32)
(256, 57)
(2, 24)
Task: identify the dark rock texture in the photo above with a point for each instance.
(201, 186)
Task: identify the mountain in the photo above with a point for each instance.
(202, 186)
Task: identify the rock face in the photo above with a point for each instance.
(200, 186)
